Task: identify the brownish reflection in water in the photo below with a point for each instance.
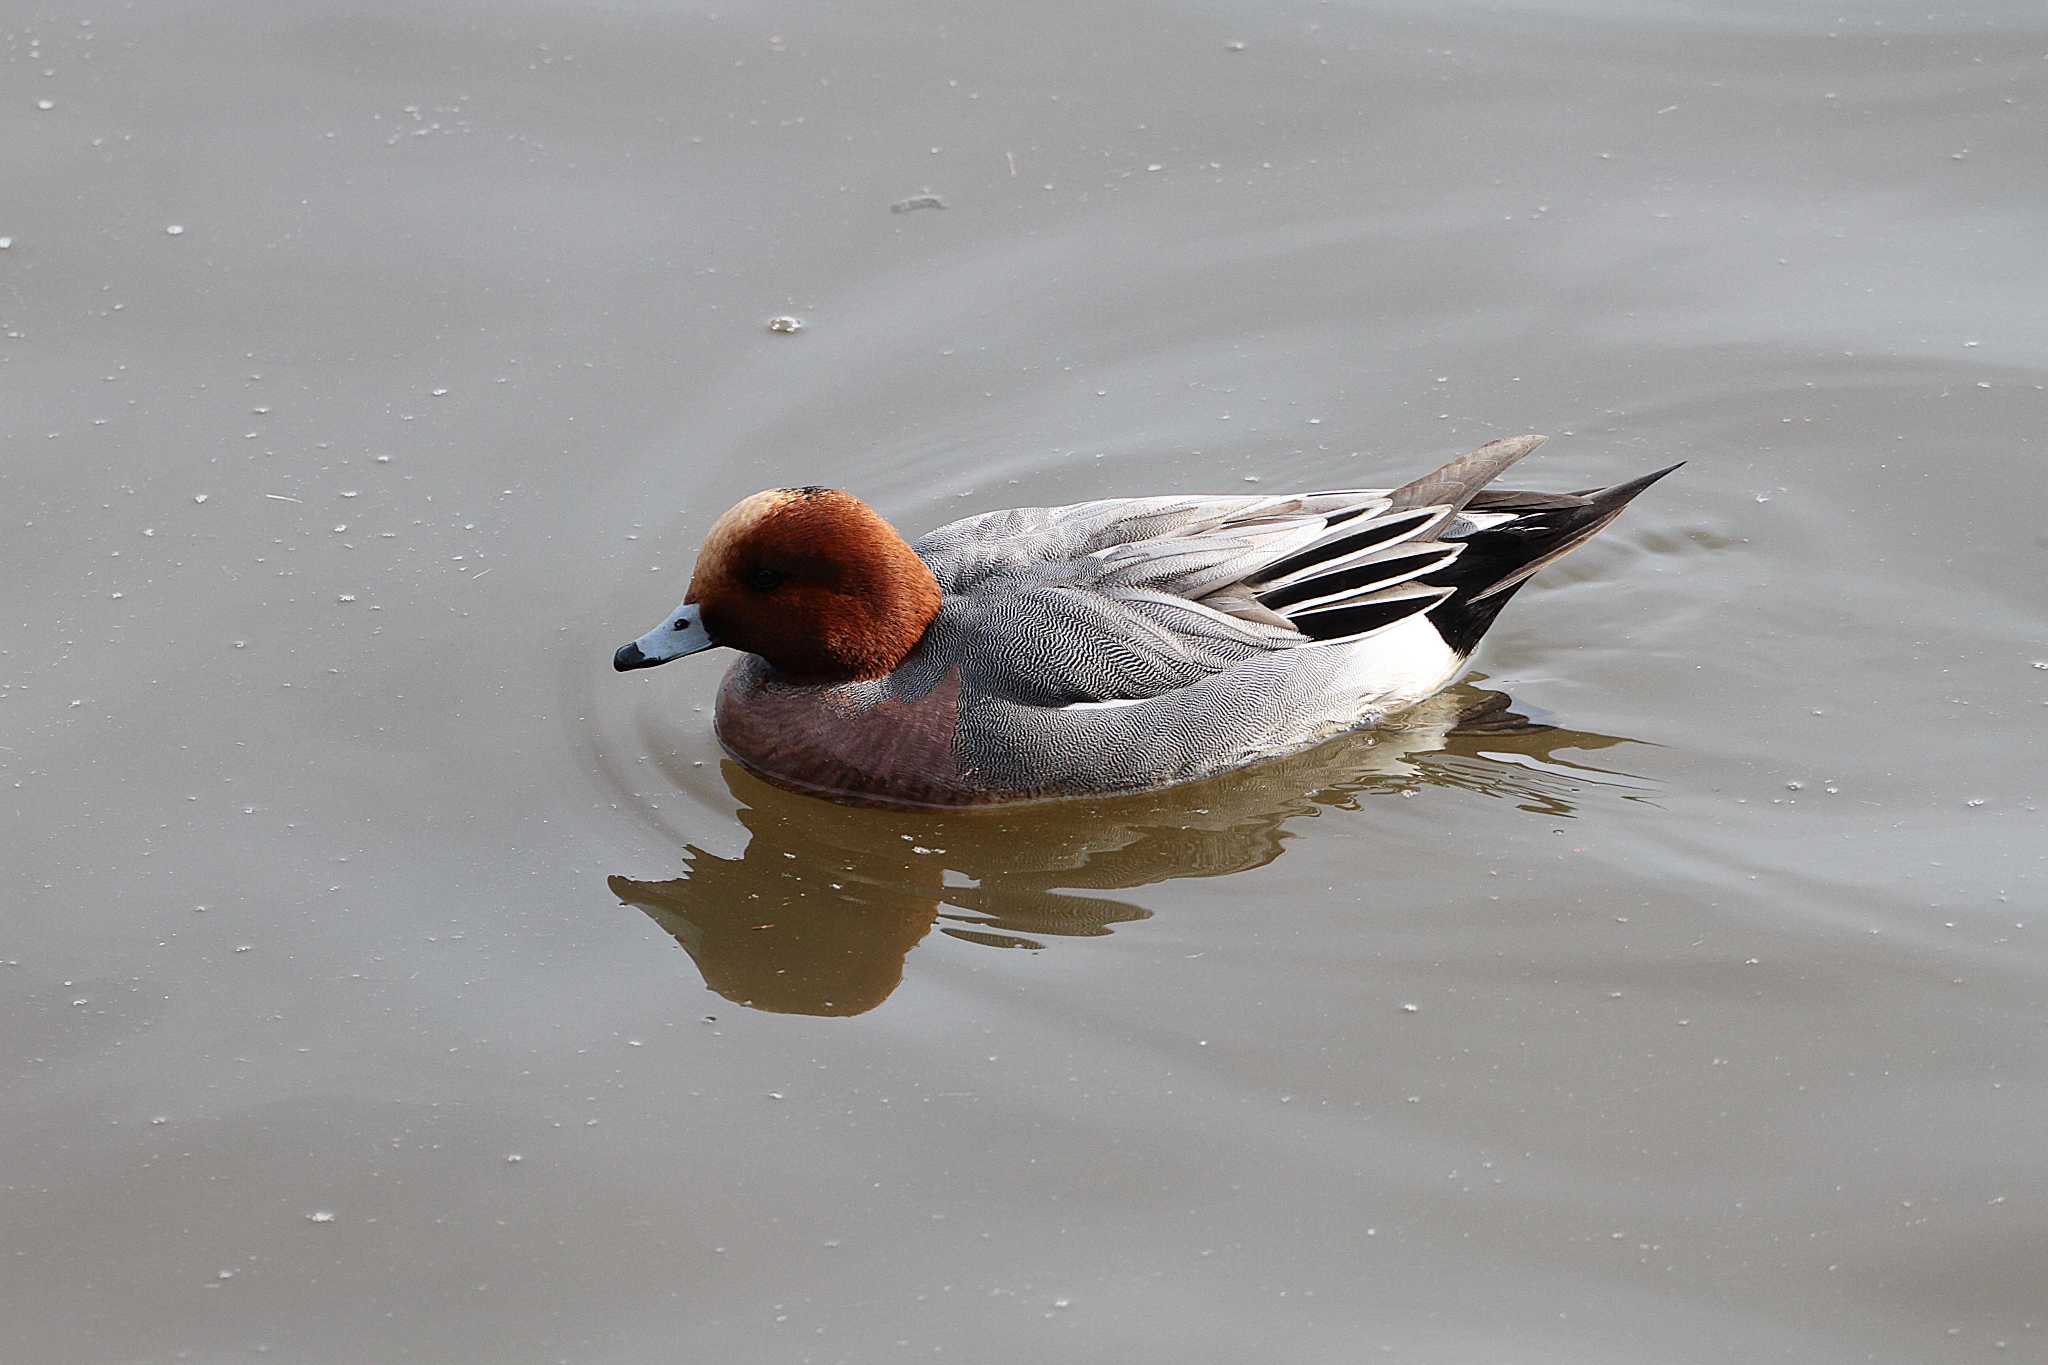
(818, 913)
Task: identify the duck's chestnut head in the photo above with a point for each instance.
(810, 579)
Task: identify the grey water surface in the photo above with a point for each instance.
(383, 978)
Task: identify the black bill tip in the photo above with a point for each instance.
(629, 657)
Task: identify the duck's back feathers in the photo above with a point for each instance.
(1292, 570)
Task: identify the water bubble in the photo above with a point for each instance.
(201, 497)
(6, 242)
(46, 105)
(786, 326)
(1410, 1007)
(320, 1216)
(174, 230)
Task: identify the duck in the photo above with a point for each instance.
(1106, 647)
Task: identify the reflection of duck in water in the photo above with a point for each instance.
(819, 912)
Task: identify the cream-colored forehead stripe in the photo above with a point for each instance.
(740, 520)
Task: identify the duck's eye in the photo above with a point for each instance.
(764, 579)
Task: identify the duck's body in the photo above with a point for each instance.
(1131, 643)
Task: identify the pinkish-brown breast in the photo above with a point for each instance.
(830, 741)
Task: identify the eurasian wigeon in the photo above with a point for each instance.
(1103, 647)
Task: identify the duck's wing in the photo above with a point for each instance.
(1031, 540)
(1132, 598)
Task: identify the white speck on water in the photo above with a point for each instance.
(320, 1216)
(775, 1095)
(1410, 1007)
(439, 393)
(352, 493)
(174, 230)
(786, 326)
(245, 947)
(383, 459)
(224, 1275)
(201, 497)
(339, 529)
(159, 1120)
(345, 597)
(1795, 786)
(1233, 45)
(6, 242)
(46, 105)
(1062, 1303)
(514, 1158)
(1974, 802)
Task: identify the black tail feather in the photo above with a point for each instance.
(1497, 561)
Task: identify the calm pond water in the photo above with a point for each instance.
(387, 979)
